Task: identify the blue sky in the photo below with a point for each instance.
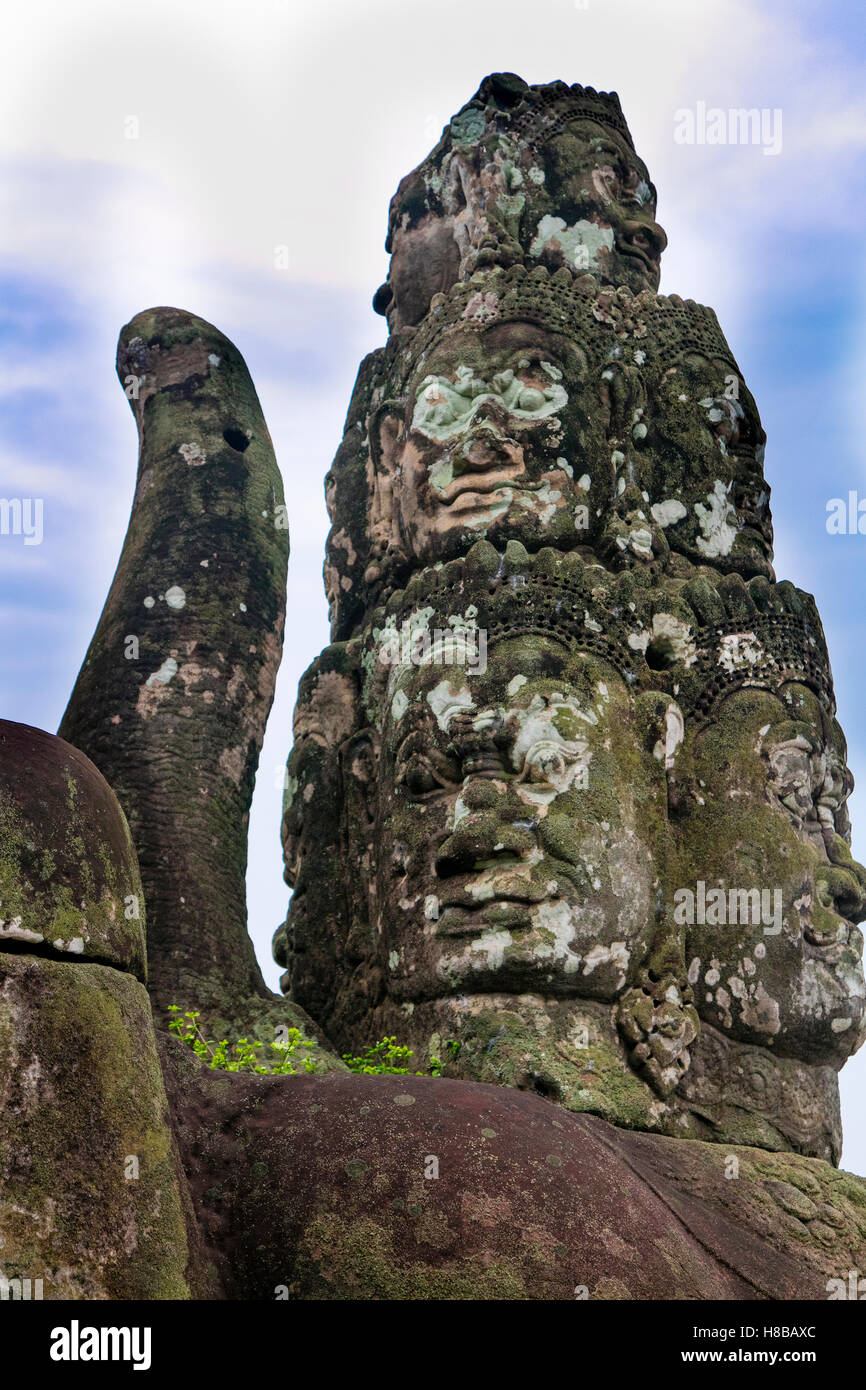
(269, 123)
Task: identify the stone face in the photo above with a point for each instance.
(523, 175)
(573, 745)
(174, 692)
(524, 835)
(545, 409)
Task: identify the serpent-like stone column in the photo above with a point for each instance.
(174, 693)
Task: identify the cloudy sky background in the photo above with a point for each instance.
(267, 123)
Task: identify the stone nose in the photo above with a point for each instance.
(647, 236)
(843, 882)
(484, 449)
(844, 891)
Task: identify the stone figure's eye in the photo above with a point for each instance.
(439, 413)
(424, 770)
(607, 181)
(419, 776)
(530, 398)
(545, 762)
(798, 768)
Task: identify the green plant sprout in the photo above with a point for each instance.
(384, 1058)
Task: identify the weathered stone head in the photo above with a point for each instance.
(541, 408)
(543, 175)
(597, 837)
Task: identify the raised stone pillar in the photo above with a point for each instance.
(92, 1199)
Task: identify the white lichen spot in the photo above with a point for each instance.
(193, 454)
(491, 945)
(556, 918)
(665, 750)
(14, 931)
(582, 245)
(448, 699)
(75, 946)
(715, 522)
(739, 649)
(167, 670)
(616, 954)
(175, 597)
(668, 512)
(677, 636)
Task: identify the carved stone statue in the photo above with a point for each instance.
(564, 812)
(611, 866)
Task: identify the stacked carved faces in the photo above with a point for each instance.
(566, 805)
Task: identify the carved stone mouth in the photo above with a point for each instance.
(824, 944)
(482, 484)
(628, 248)
(508, 908)
(505, 913)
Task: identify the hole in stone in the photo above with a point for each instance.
(236, 438)
(660, 654)
(544, 1086)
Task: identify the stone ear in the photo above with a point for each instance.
(359, 757)
(387, 429)
(387, 433)
(663, 727)
(623, 395)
